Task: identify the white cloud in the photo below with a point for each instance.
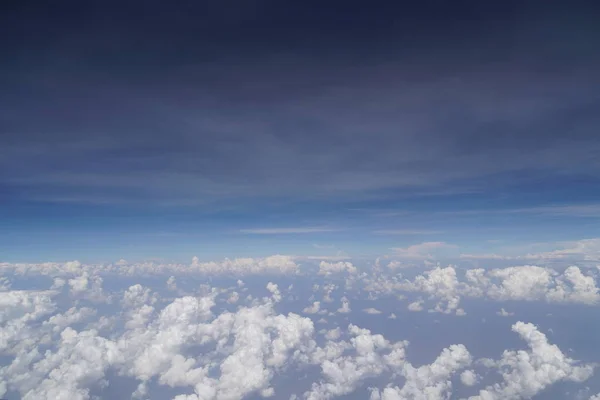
(19, 309)
(343, 373)
(339, 257)
(253, 343)
(333, 334)
(272, 287)
(4, 283)
(88, 287)
(428, 382)
(345, 308)
(71, 316)
(276, 264)
(406, 232)
(526, 373)
(327, 268)
(328, 289)
(233, 298)
(469, 378)
(313, 309)
(504, 313)
(529, 283)
(416, 306)
(58, 345)
(578, 250)
(425, 250)
(171, 283)
(285, 231)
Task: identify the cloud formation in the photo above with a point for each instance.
(213, 343)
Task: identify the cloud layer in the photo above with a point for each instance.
(192, 340)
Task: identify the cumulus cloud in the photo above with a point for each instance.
(416, 306)
(333, 334)
(171, 283)
(469, 378)
(313, 309)
(274, 289)
(276, 264)
(233, 298)
(253, 343)
(345, 308)
(431, 381)
(328, 289)
(526, 283)
(372, 356)
(526, 373)
(58, 343)
(504, 313)
(327, 268)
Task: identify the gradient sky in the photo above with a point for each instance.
(246, 128)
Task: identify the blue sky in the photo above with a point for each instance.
(349, 121)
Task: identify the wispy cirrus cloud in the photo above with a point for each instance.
(406, 232)
(576, 250)
(588, 210)
(287, 231)
(423, 250)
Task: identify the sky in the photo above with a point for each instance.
(244, 200)
(235, 127)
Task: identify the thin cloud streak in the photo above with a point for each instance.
(588, 210)
(406, 232)
(286, 231)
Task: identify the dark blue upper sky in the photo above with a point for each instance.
(149, 129)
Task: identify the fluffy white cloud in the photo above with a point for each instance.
(328, 289)
(333, 334)
(469, 377)
(233, 298)
(72, 316)
(416, 306)
(526, 373)
(251, 345)
(171, 283)
(276, 264)
(373, 355)
(274, 289)
(345, 308)
(428, 382)
(313, 309)
(528, 283)
(88, 287)
(504, 313)
(327, 268)
(57, 344)
(19, 309)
